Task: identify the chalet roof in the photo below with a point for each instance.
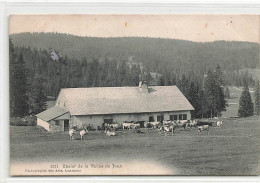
(51, 113)
(113, 100)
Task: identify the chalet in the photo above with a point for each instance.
(96, 106)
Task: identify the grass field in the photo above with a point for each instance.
(231, 150)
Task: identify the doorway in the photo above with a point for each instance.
(66, 125)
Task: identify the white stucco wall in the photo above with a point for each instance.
(98, 120)
(43, 124)
(52, 125)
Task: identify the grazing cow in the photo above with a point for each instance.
(154, 124)
(110, 133)
(193, 123)
(168, 128)
(114, 126)
(181, 124)
(82, 133)
(203, 128)
(165, 128)
(219, 123)
(167, 122)
(71, 132)
(187, 125)
(127, 125)
(135, 126)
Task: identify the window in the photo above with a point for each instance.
(57, 123)
(160, 118)
(151, 119)
(171, 117)
(175, 117)
(108, 121)
(182, 116)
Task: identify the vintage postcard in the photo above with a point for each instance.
(134, 95)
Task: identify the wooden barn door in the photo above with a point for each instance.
(66, 125)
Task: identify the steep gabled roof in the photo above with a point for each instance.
(113, 100)
(51, 113)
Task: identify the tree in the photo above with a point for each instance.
(246, 107)
(193, 99)
(18, 84)
(184, 85)
(214, 94)
(209, 91)
(220, 102)
(12, 60)
(37, 96)
(219, 75)
(202, 107)
(257, 98)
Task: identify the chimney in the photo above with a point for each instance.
(143, 87)
(140, 84)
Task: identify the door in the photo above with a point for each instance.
(66, 125)
(141, 124)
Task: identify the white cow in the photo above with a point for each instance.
(114, 126)
(168, 128)
(165, 128)
(71, 132)
(167, 122)
(82, 133)
(127, 125)
(135, 126)
(203, 128)
(193, 123)
(219, 123)
(182, 124)
(110, 133)
(155, 124)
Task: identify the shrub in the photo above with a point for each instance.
(25, 121)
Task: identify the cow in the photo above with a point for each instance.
(110, 133)
(167, 122)
(182, 124)
(219, 124)
(71, 132)
(203, 128)
(114, 126)
(155, 124)
(168, 128)
(82, 133)
(127, 125)
(193, 123)
(165, 128)
(135, 126)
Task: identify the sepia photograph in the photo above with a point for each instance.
(134, 94)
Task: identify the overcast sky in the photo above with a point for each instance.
(200, 28)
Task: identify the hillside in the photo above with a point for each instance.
(54, 61)
(149, 51)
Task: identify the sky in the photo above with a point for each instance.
(198, 28)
